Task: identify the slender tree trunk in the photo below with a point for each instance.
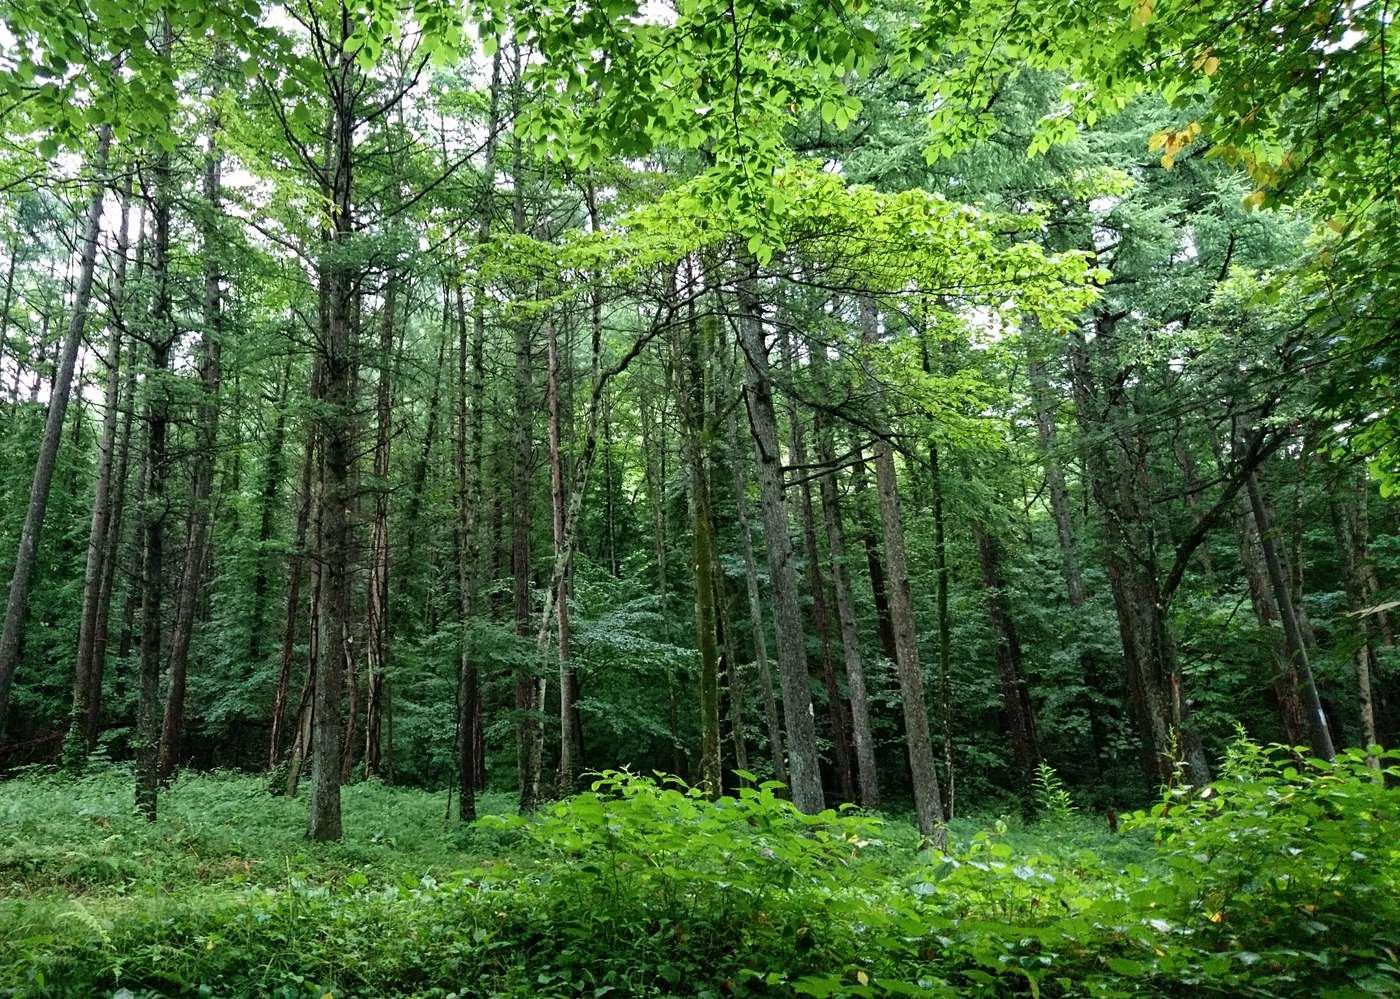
(18, 602)
(816, 585)
(296, 570)
(689, 362)
(846, 615)
(928, 806)
(760, 638)
(567, 715)
(945, 630)
(875, 566)
(1095, 678)
(377, 644)
(272, 485)
(1015, 697)
(803, 762)
(207, 435)
(1318, 734)
(95, 573)
(92, 722)
(1348, 515)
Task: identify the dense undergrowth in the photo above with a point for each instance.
(1281, 880)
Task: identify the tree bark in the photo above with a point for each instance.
(928, 806)
(18, 602)
(803, 763)
(1015, 697)
(78, 743)
(1318, 734)
(207, 435)
(816, 586)
(846, 615)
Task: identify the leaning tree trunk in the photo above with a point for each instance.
(803, 762)
(377, 643)
(78, 744)
(1316, 719)
(928, 806)
(18, 602)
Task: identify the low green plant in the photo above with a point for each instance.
(1052, 800)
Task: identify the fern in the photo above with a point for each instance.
(1052, 800)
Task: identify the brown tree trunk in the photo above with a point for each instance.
(1015, 697)
(272, 485)
(336, 437)
(690, 397)
(879, 588)
(148, 720)
(18, 601)
(296, 570)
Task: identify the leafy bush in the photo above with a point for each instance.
(1281, 879)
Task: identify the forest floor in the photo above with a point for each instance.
(642, 891)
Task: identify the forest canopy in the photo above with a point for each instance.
(863, 417)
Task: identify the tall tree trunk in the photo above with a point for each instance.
(78, 744)
(18, 602)
(1015, 697)
(760, 637)
(148, 720)
(113, 542)
(295, 572)
(568, 743)
(690, 395)
(816, 585)
(271, 487)
(377, 638)
(1285, 679)
(803, 762)
(875, 567)
(945, 630)
(1318, 734)
(207, 435)
(846, 614)
(1117, 470)
(928, 806)
(1095, 678)
(1348, 524)
(336, 435)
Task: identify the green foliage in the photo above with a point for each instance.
(1052, 798)
(1281, 880)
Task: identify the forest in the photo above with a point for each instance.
(699, 498)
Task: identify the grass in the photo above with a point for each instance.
(642, 890)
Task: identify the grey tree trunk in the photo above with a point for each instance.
(1316, 719)
(18, 602)
(928, 806)
(846, 615)
(803, 762)
(207, 434)
(78, 741)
